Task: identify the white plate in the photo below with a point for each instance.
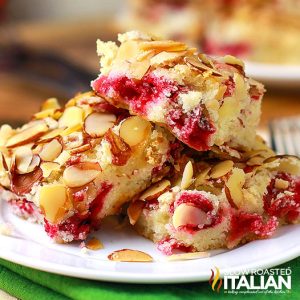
(274, 75)
(33, 248)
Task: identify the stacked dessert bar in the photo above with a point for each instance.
(167, 135)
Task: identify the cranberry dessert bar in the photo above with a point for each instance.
(203, 101)
(220, 203)
(69, 168)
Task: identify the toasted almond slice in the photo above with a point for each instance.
(195, 62)
(155, 190)
(135, 130)
(186, 214)
(94, 244)
(63, 158)
(163, 46)
(235, 186)
(97, 124)
(202, 176)
(51, 135)
(81, 149)
(72, 116)
(44, 114)
(134, 211)
(138, 69)
(127, 50)
(187, 176)
(281, 184)
(188, 256)
(48, 168)
(80, 174)
(71, 130)
(255, 161)
(27, 135)
(221, 169)
(54, 202)
(51, 150)
(23, 156)
(35, 162)
(128, 255)
(50, 103)
(5, 133)
(165, 57)
(73, 140)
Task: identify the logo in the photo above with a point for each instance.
(214, 280)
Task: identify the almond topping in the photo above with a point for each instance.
(27, 135)
(235, 186)
(203, 175)
(81, 174)
(187, 176)
(188, 256)
(155, 190)
(23, 156)
(94, 244)
(81, 149)
(54, 202)
(50, 103)
(51, 135)
(51, 150)
(134, 211)
(135, 130)
(221, 169)
(128, 255)
(163, 46)
(281, 184)
(186, 214)
(195, 62)
(97, 124)
(72, 116)
(48, 168)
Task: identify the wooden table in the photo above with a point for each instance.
(20, 98)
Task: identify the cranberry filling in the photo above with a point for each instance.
(194, 128)
(168, 245)
(197, 200)
(283, 206)
(80, 225)
(246, 224)
(24, 206)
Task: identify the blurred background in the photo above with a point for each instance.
(48, 48)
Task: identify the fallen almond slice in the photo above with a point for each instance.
(94, 244)
(48, 168)
(128, 255)
(188, 256)
(221, 169)
(187, 176)
(81, 174)
(134, 211)
(155, 190)
(97, 124)
(51, 150)
(54, 202)
(27, 135)
(135, 130)
(71, 117)
(186, 214)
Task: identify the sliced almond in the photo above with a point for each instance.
(202, 176)
(163, 46)
(135, 130)
(188, 256)
(127, 50)
(73, 140)
(134, 211)
(165, 57)
(80, 174)
(94, 244)
(195, 62)
(27, 135)
(54, 202)
(71, 130)
(255, 161)
(81, 149)
(44, 114)
(48, 168)
(128, 255)
(51, 135)
(187, 176)
(186, 214)
(63, 158)
(235, 186)
(138, 69)
(23, 157)
(5, 133)
(155, 190)
(97, 124)
(50, 103)
(281, 184)
(221, 169)
(72, 116)
(51, 150)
